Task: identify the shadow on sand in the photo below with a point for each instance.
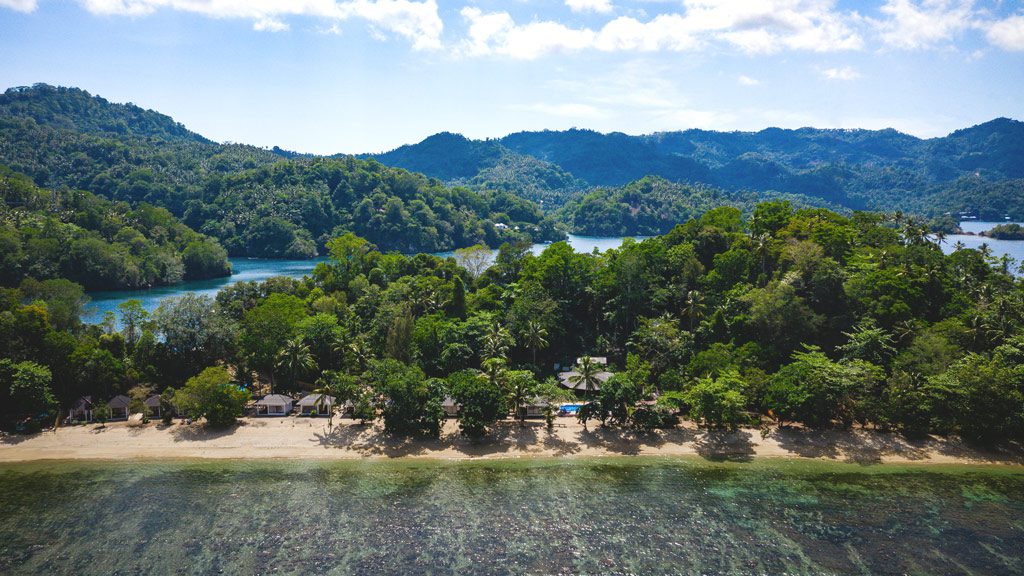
(872, 447)
(725, 445)
(504, 437)
(196, 432)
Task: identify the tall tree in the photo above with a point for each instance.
(535, 337)
(295, 360)
(586, 374)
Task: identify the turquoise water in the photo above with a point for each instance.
(554, 516)
(1013, 248)
(259, 269)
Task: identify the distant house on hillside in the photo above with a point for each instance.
(119, 407)
(274, 405)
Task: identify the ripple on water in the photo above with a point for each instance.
(609, 516)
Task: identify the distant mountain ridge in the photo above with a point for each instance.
(876, 169)
(261, 202)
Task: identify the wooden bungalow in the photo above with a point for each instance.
(154, 406)
(81, 410)
(119, 407)
(535, 408)
(316, 404)
(274, 405)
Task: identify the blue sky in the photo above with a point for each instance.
(329, 76)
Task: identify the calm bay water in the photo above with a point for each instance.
(565, 516)
(259, 269)
(1013, 248)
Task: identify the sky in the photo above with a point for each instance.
(348, 76)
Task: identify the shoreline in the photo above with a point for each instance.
(295, 438)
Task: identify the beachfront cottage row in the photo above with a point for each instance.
(83, 408)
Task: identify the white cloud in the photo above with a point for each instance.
(844, 73)
(916, 24)
(416, 20)
(20, 5)
(602, 6)
(269, 25)
(748, 81)
(759, 26)
(1008, 34)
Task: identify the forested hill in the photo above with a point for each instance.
(49, 234)
(876, 169)
(75, 109)
(257, 202)
(653, 205)
(486, 165)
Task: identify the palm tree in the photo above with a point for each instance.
(326, 388)
(294, 359)
(535, 337)
(586, 374)
(694, 307)
(762, 245)
(360, 350)
(497, 341)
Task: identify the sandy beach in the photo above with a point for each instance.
(306, 438)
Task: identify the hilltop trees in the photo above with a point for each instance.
(102, 245)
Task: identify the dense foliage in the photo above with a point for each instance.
(256, 202)
(290, 209)
(653, 205)
(792, 316)
(47, 234)
(211, 395)
(1007, 232)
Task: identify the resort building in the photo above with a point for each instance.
(81, 410)
(119, 407)
(153, 406)
(535, 408)
(318, 404)
(274, 405)
(451, 409)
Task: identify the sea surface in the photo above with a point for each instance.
(546, 516)
(259, 269)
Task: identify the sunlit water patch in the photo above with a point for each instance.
(611, 516)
